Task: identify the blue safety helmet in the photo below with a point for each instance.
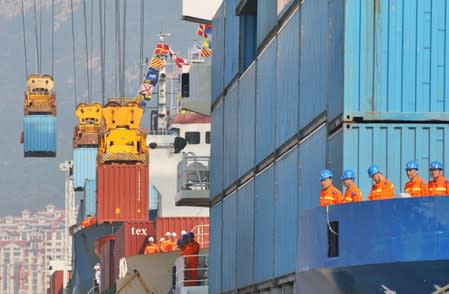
(348, 174)
(411, 165)
(374, 169)
(325, 174)
(180, 243)
(436, 165)
(191, 235)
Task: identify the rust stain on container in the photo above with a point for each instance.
(122, 193)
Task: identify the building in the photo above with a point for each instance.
(28, 244)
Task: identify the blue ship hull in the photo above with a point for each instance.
(399, 245)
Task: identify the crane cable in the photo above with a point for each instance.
(117, 46)
(91, 46)
(122, 93)
(73, 48)
(36, 38)
(86, 50)
(52, 36)
(24, 41)
(102, 57)
(142, 22)
(40, 35)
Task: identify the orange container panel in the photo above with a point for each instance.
(57, 279)
(122, 193)
(198, 225)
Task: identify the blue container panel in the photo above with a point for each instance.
(266, 18)
(39, 135)
(264, 226)
(288, 81)
(229, 239)
(313, 60)
(154, 197)
(245, 235)
(80, 215)
(286, 213)
(312, 159)
(231, 33)
(230, 137)
(216, 167)
(390, 146)
(247, 115)
(90, 198)
(218, 56)
(265, 102)
(216, 225)
(84, 166)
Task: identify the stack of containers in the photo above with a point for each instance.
(89, 198)
(338, 85)
(39, 124)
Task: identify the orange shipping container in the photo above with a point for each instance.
(198, 225)
(56, 282)
(122, 193)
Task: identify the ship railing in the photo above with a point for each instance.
(188, 276)
(193, 173)
(201, 235)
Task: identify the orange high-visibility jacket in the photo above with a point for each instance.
(151, 249)
(352, 194)
(438, 187)
(382, 190)
(166, 246)
(416, 188)
(330, 196)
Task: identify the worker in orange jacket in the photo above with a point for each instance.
(166, 244)
(329, 194)
(416, 186)
(352, 192)
(151, 247)
(191, 251)
(438, 186)
(173, 240)
(382, 188)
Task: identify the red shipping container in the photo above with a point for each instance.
(107, 263)
(57, 279)
(131, 240)
(122, 193)
(198, 225)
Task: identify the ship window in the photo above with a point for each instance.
(332, 239)
(193, 137)
(207, 137)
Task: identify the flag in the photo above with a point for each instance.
(206, 43)
(206, 52)
(162, 49)
(181, 61)
(157, 62)
(201, 30)
(208, 28)
(152, 76)
(146, 90)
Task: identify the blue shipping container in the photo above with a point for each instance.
(90, 198)
(229, 239)
(230, 136)
(84, 166)
(216, 169)
(218, 56)
(231, 45)
(215, 248)
(39, 136)
(154, 197)
(266, 18)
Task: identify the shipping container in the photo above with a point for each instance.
(264, 225)
(80, 216)
(215, 248)
(107, 264)
(218, 24)
(394, 60)
(286, 213)
(39, 132)
(314, 60)
(266, 18)
(154, 196)
(56, 284)
(216, 170)
(231, 45)
(287, 95)
(84, 166)
(265, 104)
(90, 198)
(245, 235)
(230, 136)
(122, 193)
(198, 225)
(132, 237)
(390, 146)
(247, 117)
(229, 247)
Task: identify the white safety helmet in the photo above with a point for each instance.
(151, 239)
(168, 234)
(97, 266)
(161, 239)
(183, 232)
(173, 234)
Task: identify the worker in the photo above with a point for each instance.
(352, 192)
(166, 245)
(329, 194)
(173, 241)
(382, 187)
(151, 247)
(438, 185)
(97, 281)
(416, 186)
(190, 253)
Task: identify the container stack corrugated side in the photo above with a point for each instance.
(334, 84)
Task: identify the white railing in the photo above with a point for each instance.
(201, 235)
(187, 276)
(193, 172)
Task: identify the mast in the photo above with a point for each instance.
(162, 117)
